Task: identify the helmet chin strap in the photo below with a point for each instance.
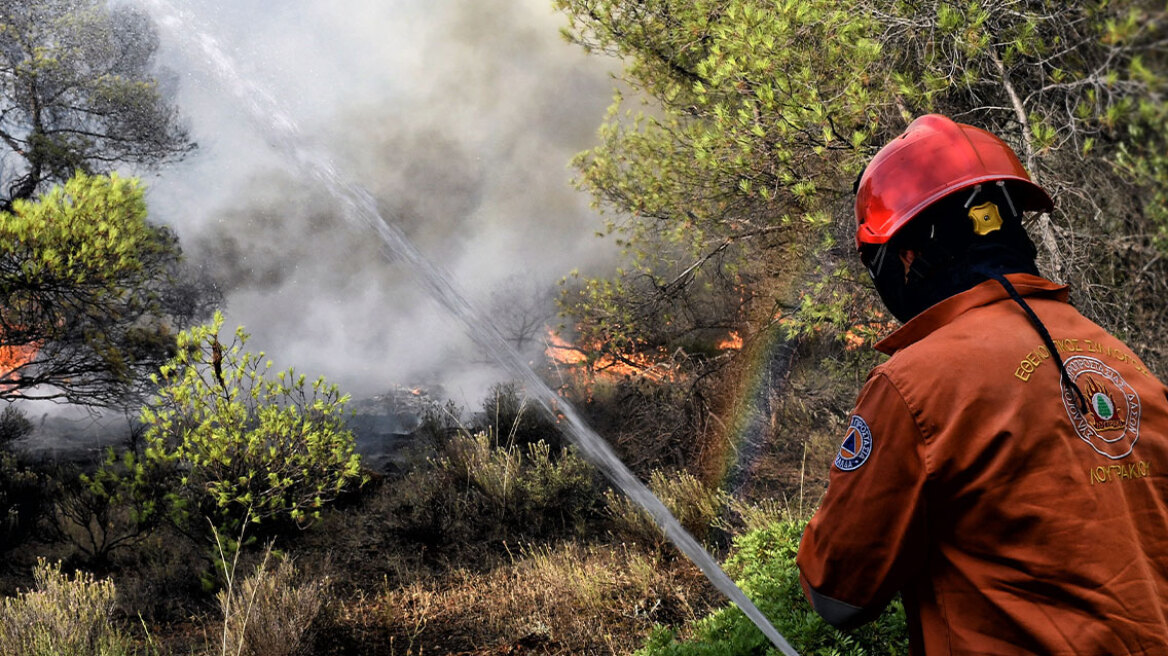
(1042, 331)
(907, 293)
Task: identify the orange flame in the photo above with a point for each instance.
(561, 351)
(733, 342)
(1093, 387)
(871, 331)
(1117, 420)
(608, 366)
(12, 358)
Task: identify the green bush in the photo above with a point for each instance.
(242, 443)
(63, 616)
(116, 506)
(763, 563)
(1145, 162)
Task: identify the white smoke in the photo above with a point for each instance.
(460, 117)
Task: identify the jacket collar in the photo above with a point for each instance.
(947, 310)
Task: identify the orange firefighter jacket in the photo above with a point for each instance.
(972, 481)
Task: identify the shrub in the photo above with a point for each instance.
(696, 506)
(24, 492)
(25, 497)
(525, 488)
(509, 417)
(440, 422)
(475, 491)
(269, 613)
(14, 424)
(63, 616)
(244, 443)
(763, 563)
(118, 505)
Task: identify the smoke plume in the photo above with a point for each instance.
(459, 117)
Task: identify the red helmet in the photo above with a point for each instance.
(934, 157)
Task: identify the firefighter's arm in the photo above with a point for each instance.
(868, 536)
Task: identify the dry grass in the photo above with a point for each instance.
(568, 599)
(62, 616)
(269, 613)
(745, 517)
(694, 504)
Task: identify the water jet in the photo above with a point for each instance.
(360, 209)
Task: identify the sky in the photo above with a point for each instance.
(459, 117)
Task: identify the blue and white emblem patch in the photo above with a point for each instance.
(857, 445)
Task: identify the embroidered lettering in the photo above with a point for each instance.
(1068, 345)
(1124, 472)
(1031, 361)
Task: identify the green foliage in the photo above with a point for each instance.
(754, 127)
(242, 442)
(731, 192)
(62, 616)
(116, 506)
(1145, 160)
(763, 564)
(85, 292)
(90, 231)
(523, 485)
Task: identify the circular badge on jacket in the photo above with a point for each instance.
(856, 447)
(1111, 424)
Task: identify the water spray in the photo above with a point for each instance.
(361, 209)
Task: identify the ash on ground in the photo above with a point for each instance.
(387, 425)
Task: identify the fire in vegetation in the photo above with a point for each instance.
(869, 331)
(589, 363)
(732, 342)
(13, 357)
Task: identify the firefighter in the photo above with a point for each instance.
(1006, 469)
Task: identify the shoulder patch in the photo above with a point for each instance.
(856, 447)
